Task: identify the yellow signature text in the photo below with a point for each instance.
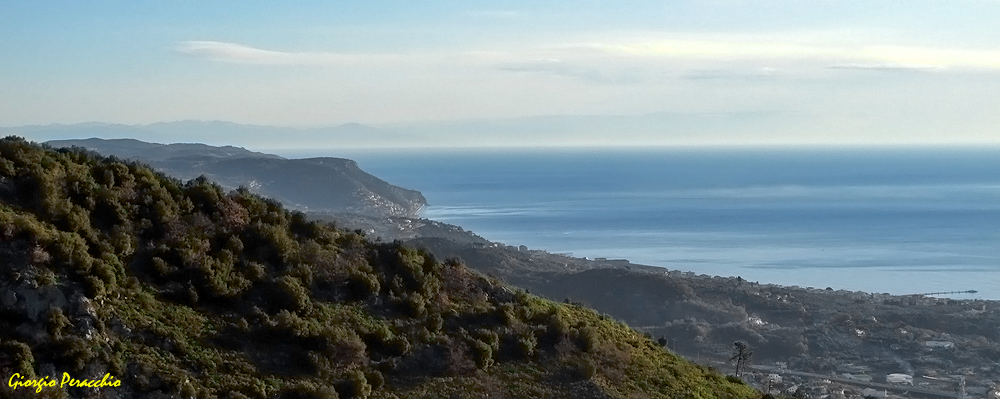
(18, 381)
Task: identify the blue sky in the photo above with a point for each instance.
(833, 71)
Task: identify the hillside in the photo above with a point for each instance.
(184, 290)
(945, 345)
(329, 185)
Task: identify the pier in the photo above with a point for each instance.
(949, 292)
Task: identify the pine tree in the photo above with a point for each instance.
(741, 355)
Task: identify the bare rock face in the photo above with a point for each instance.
(21, 293)
(24, 299)
(34, 302)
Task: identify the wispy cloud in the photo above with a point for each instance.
(625, 61)
(887, 67)
(742, 48)
(578, 70)
(241, 54)
(959, 58)
(660, 58)
(733, 49)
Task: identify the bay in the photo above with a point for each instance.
(895, 220)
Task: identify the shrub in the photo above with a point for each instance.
(399, 346)
(161, 267)
(416, 305)
(435, 322)
(57, 323)
(375, 379)
(38, 256)
(362, 285)
(77, 351)
(588, 338)
(345, 346)
(256, 271)
(108, 268)
(192, 294)
(483, 354)
(20, 356)
(46, 277)
(95, 287)
(527, 345)
(565, 348)
(296, 296)
(357, 385)
(456, 356)
(584, 367)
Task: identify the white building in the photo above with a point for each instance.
(899, 379)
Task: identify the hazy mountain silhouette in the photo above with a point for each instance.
(222, 133)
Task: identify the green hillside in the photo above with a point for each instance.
(182, 290)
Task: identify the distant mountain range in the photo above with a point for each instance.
(219, 133)
(556, 130)
(141, 150)
(331, 185)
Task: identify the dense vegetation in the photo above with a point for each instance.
(182, 289)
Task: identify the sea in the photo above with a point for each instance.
(882, 220)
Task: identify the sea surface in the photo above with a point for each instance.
(901, 221)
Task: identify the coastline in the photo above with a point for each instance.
(855, 335)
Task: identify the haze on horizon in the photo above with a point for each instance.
(686, 72)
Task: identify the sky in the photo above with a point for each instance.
(815, 71)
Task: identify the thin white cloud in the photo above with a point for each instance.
(887, 67)
(708, 49)
(742, 49)
(240, 54)
(960, 58)
(632, 60)
(583, 71)
(230, 52)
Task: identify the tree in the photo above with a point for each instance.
(741, 355)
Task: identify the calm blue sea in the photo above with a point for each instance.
(902, 221)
